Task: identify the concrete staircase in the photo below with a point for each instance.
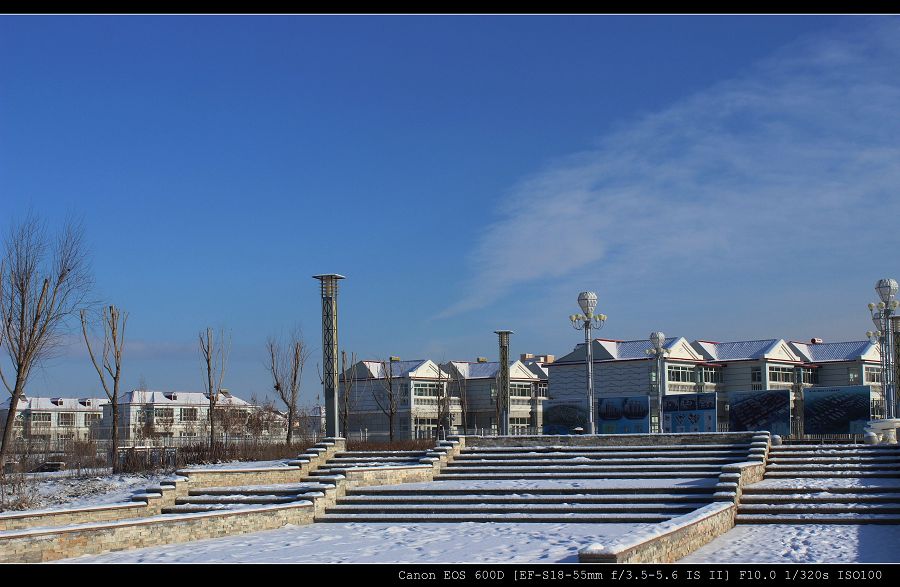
(538, 482)
(342, 461)
(209, 499)
(594, 462)
(825, 484)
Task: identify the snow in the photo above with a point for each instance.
(809, 543)
(825, 483)
(467, 542)
(63, 490)
(523, 484)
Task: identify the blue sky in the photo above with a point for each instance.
(720, 178)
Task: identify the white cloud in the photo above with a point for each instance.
(799, 156)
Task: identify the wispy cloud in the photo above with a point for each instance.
(803, 147)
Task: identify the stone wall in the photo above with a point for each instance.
(388, 475)
(666, 542)
(57, 543)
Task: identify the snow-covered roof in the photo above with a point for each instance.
(489, 370)
(58, 404)
(740, 350)
(178, 398)
(837, 351)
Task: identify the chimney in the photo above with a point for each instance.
(481, 360)
(525, 356)
(816, 341)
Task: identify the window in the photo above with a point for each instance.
(188, 414)
(680, 373)
(853, 375)
(781, 374)
(520, 390)
(810, 376)
(427, 389)
(872, 374)
(188, 434)
(712, 375)
(164, 414)
(66, 419)
(756, 375)
(19, 420)
(91, 419)
(40, 417)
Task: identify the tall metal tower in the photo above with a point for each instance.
(503, 381)
(329, 284)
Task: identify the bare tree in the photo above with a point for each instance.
(113, 342)
(347, 399)
(214, 354)
(43, 282)
(286, 367)
(387, 398)
(458, 382)
(444, 411)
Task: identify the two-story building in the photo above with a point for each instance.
(55, 420)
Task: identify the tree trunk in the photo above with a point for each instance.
(290, 430)
(10, 422)
(391, 426)
(212, 424)
(115, 437)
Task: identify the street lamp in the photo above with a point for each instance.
(658, 340)
(881, 316)
(587, 301)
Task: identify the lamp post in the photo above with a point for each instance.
(587, 301)
(881, 316)
(329, 289)
(658, 339)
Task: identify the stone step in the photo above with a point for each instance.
(202, 508)
(564, 508)
(819, 473)
(281, 489)
(817, 519)
(684, 469)
(245, 499)
(579, 461)
(827, 466)
(378, 453)
(652, 448)
(600, 455)
(447, 474)
(475, 499)
(832, 459)
(802, 496)
(840, 489)
(838, 447)
(817, 508)
(435, 489)
(504, 518)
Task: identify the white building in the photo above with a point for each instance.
(55, 420)
(623, 368)
(149, 416)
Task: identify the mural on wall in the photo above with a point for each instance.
(760, 410)
(689, 412)
(564, 418)
(836, 410)
(624, 415)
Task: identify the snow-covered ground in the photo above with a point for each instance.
(467, 542)
(62, 490)
(243, 465)
(812, 543)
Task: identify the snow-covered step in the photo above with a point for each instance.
(472, 499)
(565, 508)
(506, 518)
(818, 508)
(833, 465)
(569, 474)
(586, 468)
(818, 473)
(212, 507)
(675, 448)
(245, 499)
(817, 498)
(831, 459)
(822, 487)
(825, 447)
(278, 489)
(575, 461)
(852, 518)
(446, 488)
(599, 455)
